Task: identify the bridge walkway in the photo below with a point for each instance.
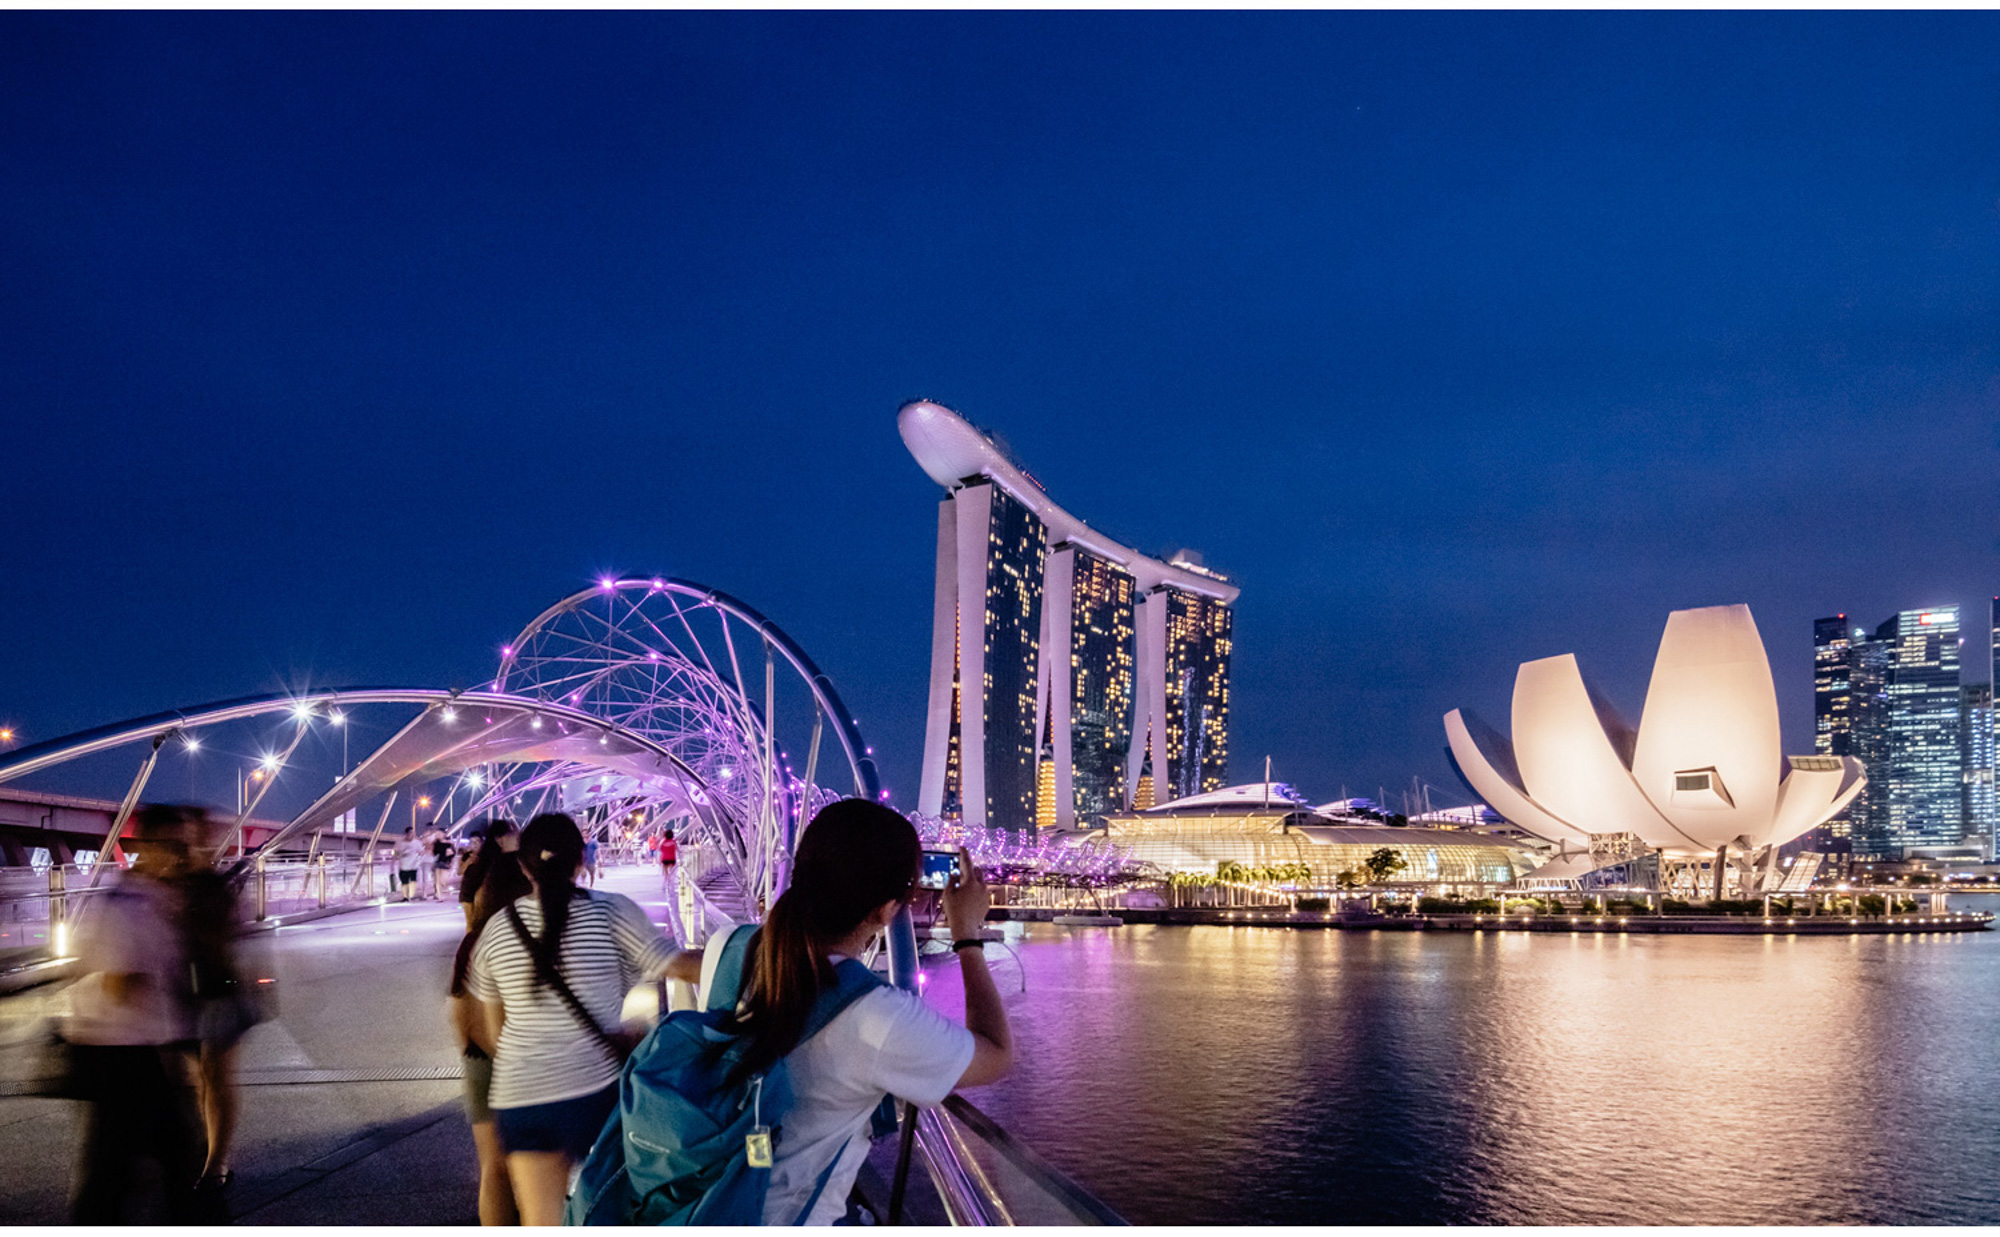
(350, 1102)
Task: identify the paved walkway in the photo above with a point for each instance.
(351, 1096)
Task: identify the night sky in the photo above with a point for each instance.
(335, 347)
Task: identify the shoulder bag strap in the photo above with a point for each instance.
(553, 978)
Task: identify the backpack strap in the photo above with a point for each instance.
(852, 981)
(725, 984)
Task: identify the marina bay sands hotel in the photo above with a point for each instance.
(1070, 675)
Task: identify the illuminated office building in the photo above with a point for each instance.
(1924, 772)
(1903, 722)
(1975, 728)
(1832, 705)
(1065, 667)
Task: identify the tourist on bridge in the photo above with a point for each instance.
(552, 971)
(443, 854)
(669, 853)
(857, 865)
(496, 842)
(225, 1007)
(131, 1025)
(500, 881)
(410, 854)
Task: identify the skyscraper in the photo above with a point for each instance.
(1053, 645)
(1196, 697)
(992, 552)
(1892, 701)
(1090, 612)
(1924, 772)
(1868, 742)
(1975, 728)
(1832, 702)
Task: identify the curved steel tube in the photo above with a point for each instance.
(867, 780)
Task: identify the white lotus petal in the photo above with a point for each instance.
(1567, 761)
(1712, 706)
(1815, 789)
(1496, 780)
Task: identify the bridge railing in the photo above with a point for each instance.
(40, 906)
(984, 1177)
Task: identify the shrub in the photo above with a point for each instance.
(1312, 904)
(1441, 906)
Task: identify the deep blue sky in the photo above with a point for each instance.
(334, 347)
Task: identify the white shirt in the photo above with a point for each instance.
(132, 930)
(888, 1042)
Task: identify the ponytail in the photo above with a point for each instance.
(853, 857)
(551, 851)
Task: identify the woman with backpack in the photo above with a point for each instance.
(503, 882)
(857, 865)
(552, 970)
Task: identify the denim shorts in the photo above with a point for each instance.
(568, 1126)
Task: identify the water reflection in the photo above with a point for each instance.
(1265, 1076)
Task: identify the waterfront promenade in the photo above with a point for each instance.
(351, 1098)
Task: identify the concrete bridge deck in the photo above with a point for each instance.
(350, 1103)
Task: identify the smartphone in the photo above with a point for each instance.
(939, 867)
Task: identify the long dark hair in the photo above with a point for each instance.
(500, 883)
(853, 857)
(551, 851)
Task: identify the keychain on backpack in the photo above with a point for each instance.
(757, 1143)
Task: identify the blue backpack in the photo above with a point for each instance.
(674, 1151)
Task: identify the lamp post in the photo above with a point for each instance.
(339, 719)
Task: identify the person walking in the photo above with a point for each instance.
(129, 1031)
(427, 865)
(590, 862)
(224, 1007)
(443, 853)
(502, 882)
(552, 971)
(669, 853)
(409, 855)
(495, 840)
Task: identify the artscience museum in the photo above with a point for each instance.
(1701, 780)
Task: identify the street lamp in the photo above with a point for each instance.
(339, 719)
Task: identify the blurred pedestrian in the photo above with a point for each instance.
(427, 864)
(443, 853)
(553, 973)
(496, 839)
(501, 882)
(669, 853)
(130, 1028)
(224, 1006)
(409, 854)
(590, 862)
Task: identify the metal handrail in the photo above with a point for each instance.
(1087, 1207)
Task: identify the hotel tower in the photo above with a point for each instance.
(1070, 675)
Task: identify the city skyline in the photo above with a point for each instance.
(338, 343)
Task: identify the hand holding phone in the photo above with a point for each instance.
(966, 900)
(938, 869)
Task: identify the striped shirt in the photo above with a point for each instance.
(545, 1054)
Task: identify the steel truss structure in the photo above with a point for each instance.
(709, 679)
